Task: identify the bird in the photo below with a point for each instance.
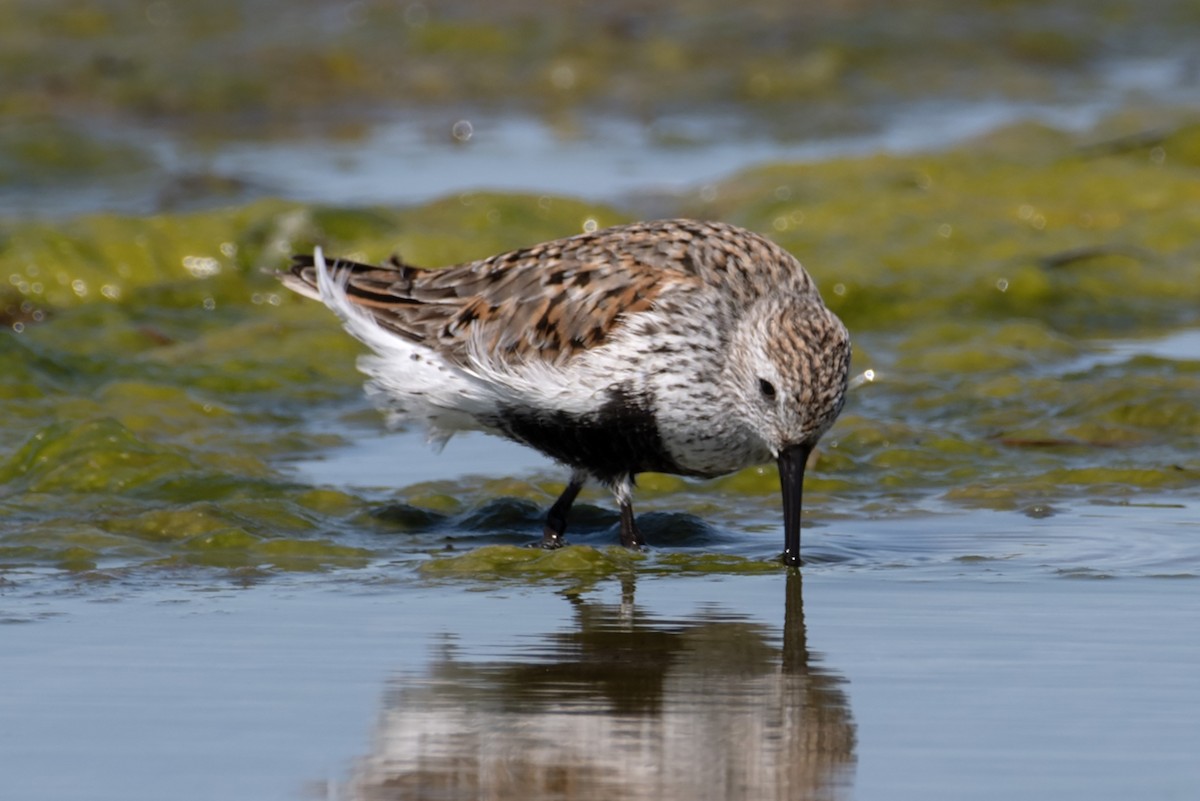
(695, 348)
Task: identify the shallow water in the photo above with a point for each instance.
(1148, 535)
(415, 158)
(936, 678)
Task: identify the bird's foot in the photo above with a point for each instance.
(552, 539)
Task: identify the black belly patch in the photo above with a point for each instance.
(620, 438)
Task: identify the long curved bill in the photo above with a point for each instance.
(791, 461)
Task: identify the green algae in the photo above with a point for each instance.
(234, 548)
(511, 561)
(94, 456)
(585, 562)
(718, 564)
(952, 346)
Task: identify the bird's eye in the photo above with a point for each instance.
(766, 388)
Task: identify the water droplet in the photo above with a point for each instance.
(865, 377)
(201, 266)
(462, 131)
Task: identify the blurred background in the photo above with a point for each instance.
(150, 106)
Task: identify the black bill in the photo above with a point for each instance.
(792, 460)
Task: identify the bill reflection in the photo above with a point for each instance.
(624, 705)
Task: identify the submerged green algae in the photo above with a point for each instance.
(586, 562)
(508, 561)
(156, 378)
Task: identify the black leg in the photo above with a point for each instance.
(631, 537)
(556, 520)
(622, 489)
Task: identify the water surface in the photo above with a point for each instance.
(903, 681)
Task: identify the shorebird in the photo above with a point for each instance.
(676, 346)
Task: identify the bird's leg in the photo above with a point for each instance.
(556, 520)
(631, 537)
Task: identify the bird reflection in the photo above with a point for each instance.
(624, 705)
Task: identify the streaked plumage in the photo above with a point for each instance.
(676, 346)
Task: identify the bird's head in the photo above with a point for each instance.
(789, 363)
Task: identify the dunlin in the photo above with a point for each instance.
(677, 346)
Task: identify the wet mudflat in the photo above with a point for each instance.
(221, 578)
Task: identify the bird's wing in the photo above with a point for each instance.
(545, 303)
